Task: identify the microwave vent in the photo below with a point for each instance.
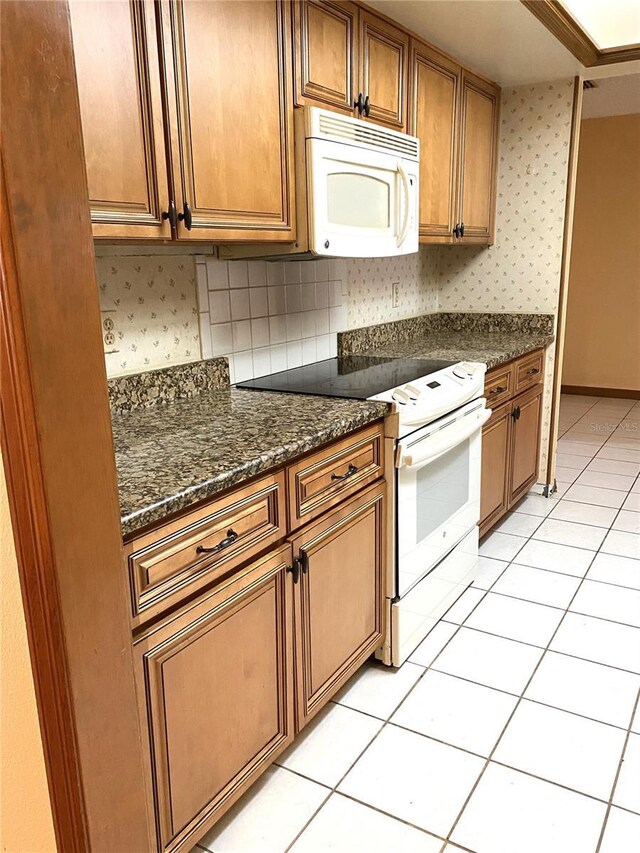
(358, 132)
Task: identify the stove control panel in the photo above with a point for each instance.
(425, 399)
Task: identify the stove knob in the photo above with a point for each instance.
(464, 370)
(412, 391)
(400, 396)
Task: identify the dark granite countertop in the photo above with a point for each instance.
(494, 348)
(171, 456)
(491, 338)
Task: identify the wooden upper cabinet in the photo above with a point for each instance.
(231, 114)
(435, 86)
(384, 55)
(479, 117)
(339, 597)
(119, 88)
(325, 54)
(216, 698)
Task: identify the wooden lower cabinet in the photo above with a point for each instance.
(496, 436)
(525, 443)
(510, 450)
(338, 598)
(216, 697)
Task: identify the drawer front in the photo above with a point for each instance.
(166, 565)
(498, 386)
(529, 371)
(327, 477)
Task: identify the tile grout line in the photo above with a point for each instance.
(617, 775)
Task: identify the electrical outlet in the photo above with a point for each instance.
(109, 333)
(395, 294)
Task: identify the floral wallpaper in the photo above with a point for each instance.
(151, 301)
(370, 287)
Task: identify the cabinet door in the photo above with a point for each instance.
(325, 54)
(384, 62)
(338, 597)
(496, 446)
(216, 697)
(525, 443)
(434, 92)
(231, 111)
(480, 109)
(119, 88)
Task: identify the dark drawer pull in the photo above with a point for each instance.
(497, 390)
(532, 371)
(351, 470)
(224, 543)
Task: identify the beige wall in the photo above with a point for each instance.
(602, 344)
(26, 824)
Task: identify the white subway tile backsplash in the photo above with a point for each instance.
(259, 301)
(309, 350)
(217, 274)
(335, 293)
(278, 329)
(261, 361)
(278, 358)
(308, 271)
(322, 270)
(275, 272)
(337, 269)
(221, 338)
(240, 304)
(241, 330)
(308, 301)
(238, 274)
(294, 354)
(294, 327)
(336, 319)
(243, 362)
(308, 324)
(276, 299)
(292, 272)
(322, 294)
(322, 321)
(323, 347)
(292, 298)
(260, 332)
(257, 273)
(219, 306)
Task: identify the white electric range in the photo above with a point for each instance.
(433, 446)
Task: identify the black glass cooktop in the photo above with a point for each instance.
(355, 376)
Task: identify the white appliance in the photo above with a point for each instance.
(357, 191)
(436, 454)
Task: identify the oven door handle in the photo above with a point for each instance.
(433, 448)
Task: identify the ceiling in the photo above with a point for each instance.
(499, 38)
(604, 28)
(614, 96)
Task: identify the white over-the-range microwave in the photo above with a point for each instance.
(357, 191)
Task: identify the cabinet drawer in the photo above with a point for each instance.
(327, 477)
(190, 552)
(529, 371)
(498, 386)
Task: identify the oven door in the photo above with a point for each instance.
(361, 203)
(438, 491)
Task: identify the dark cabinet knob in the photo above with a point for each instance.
(515, 414)
(186, 216)
(359, 104)
(461, 230)
(351, 470)
(367, 106)
(456, 230)
(171, 214)
(229, 539)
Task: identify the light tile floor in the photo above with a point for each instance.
(511, 729)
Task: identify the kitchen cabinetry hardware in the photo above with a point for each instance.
(186, 216)
(497, 390)
(461, 229)
(532, 371)
(229, 539)
(351, 470)
(295, 569)
(171, 214)
(515, 414)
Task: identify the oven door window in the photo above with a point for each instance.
(441, 490)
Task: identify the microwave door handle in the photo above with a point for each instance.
(434, 448)
(405, 223)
